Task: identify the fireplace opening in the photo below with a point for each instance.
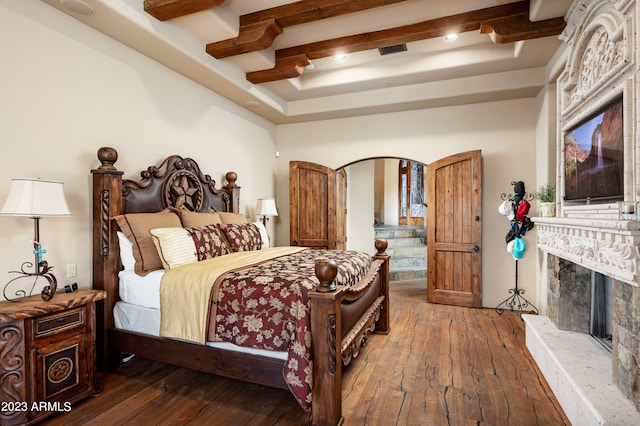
(601, 311)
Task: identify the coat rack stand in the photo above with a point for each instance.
(516, 300)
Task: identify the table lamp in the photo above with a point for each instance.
(35, 198)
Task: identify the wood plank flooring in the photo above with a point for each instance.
(440, 365)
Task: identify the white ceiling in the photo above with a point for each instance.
(430, 73)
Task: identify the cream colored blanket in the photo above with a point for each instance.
(185, 291)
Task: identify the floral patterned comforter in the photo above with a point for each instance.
(266, 307)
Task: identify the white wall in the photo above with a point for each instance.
(360, 207)
(68, 90)
(391, 192)
(504, 131)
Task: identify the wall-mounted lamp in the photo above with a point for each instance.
(266, 207)
(35, 198)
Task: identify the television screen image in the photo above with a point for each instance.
(593, 154)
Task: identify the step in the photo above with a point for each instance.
(407, 262)
(407, 274)
(392, 232)
(406, 241)
(411, 251)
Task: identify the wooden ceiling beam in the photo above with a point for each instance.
(252, 38)
(519, 27)
(287, 15)
(290, 67)
(504, 24)
(164, 10)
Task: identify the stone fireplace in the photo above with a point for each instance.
(594, 386)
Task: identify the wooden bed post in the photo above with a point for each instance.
(383, 325)
(233, 190)
(326, 407)
(107, 203)
(326, 323)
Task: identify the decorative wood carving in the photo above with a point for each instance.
(326, 271)
(357, 337)
(331, 343)
(12, 365)
(105, 222)
(177, 182)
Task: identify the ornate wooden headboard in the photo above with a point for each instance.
(176, 182)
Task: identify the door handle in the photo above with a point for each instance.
(476, 248)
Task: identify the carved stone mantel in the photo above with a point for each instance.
(609, 246)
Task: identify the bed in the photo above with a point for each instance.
(335, 309)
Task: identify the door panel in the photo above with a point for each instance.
(341, 209)
(454, 233)
(312, 205)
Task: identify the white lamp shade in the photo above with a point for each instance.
(35, 198)
(266, 207)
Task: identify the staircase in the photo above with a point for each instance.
(408, 251)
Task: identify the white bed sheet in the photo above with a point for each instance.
(141, 291)
(139, 311)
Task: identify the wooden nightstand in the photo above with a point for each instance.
(47, 352)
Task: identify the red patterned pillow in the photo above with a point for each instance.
(242, 236)
(209, 242)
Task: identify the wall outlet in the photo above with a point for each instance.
(71, 270)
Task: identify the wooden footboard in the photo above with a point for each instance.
(332, 345)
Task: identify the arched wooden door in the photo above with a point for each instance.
(454, 231)
(317, 206)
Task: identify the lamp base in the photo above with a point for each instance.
(42, 270)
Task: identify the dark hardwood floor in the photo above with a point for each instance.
(440, 365)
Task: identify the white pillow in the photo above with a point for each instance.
(126, 252)
(175, 246)
(263, 234)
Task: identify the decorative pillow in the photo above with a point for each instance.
(191, 219)
(126, 252)
(263, 234)
(227, 217)
(136, 226)
(242, 236)
(209, 242)
(175, 246)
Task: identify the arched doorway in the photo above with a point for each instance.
(454, 194)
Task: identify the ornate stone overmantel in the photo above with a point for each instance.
(611, 247)
(601, 68)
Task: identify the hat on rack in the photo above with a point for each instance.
(510, 246)
(518, 188)
(523, 209)
(527, 225)
(519, 247)
(510, 236)
(506, 209)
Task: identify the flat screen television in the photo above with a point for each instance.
(594, 156)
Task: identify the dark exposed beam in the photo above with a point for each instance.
(164, 10)
(252, 38)
(506, 23)
(287, 15)
(518, 27)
